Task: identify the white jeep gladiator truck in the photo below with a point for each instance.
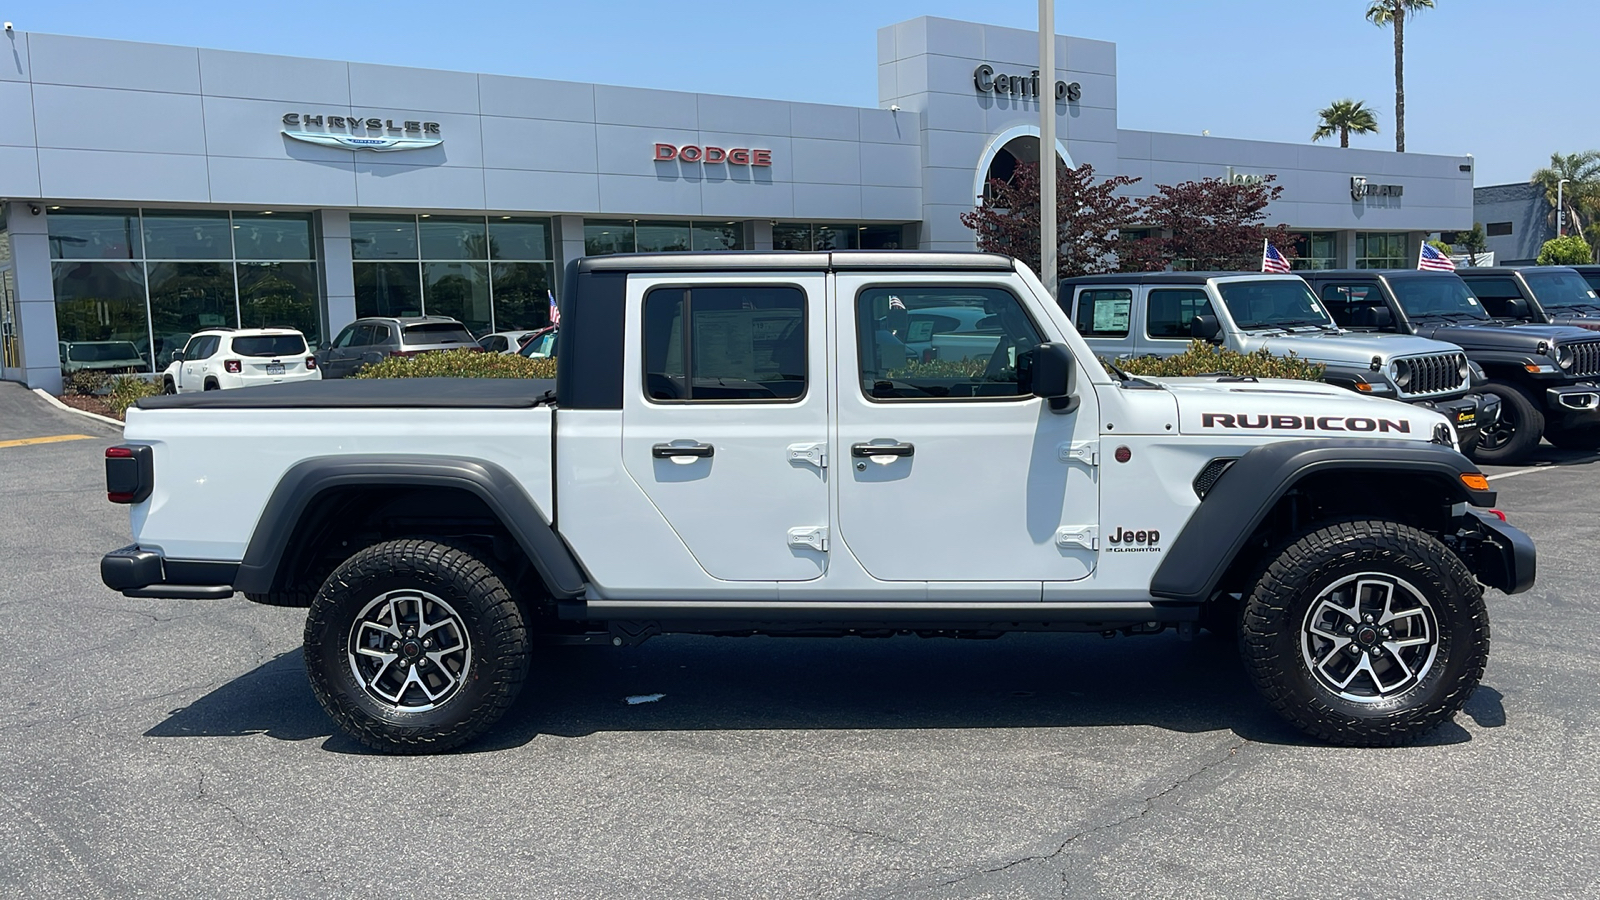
(769, 443)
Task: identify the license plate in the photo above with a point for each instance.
(274, 368)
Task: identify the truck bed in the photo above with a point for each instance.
(372, 393)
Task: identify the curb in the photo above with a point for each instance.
(77, 412)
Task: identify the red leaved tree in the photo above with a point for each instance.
(1206, 225)
(1088, 215)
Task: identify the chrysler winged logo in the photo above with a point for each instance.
(1358, 187)
(380, 135)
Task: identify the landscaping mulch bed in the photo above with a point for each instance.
(96, 405)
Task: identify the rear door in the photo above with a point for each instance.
(725, 418)
(1166, 326)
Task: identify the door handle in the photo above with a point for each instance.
(862, 451)
(668, 451)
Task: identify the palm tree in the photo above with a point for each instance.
(1344, 117)
(1581, 195)
(1394, 12)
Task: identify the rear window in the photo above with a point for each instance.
(270, 345)
(109, 351)
(437, 333)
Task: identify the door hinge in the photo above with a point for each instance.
(813, 454)
(1086, 452)
(1085, 536)
(814, 537)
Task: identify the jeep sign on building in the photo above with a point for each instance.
(151, 191)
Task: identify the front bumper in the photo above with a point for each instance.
(146, 573)
(1501, 556)
(1573, 404)
(1470, 414)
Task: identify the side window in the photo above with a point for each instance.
(1494, 291)
(1103, 312)
(1170, 313)
(346, 337)
(1356, 305)
(738, 344)
(918, 343)
(192, 349)
(381, 334)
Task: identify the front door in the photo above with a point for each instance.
(725, 418)
(950, 471)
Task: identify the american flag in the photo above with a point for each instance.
(1272, 260)
(555, 311)
(1434, 261)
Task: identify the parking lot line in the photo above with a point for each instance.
(1530, 470)
(52, 439)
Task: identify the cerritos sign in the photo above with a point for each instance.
(694, 153)
(361, 133)
(988, 81)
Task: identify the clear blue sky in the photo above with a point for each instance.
(1479, 74)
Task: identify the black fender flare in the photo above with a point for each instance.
(1241, 499)
(497, 488)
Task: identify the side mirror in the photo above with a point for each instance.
(1051, 373)
(1205, 328)
(177, 356)
(1517, 308)
(324, 347)
(1382, 317)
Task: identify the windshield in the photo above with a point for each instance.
(1279, 303)
(270, 345)
(1594, 280)
(438, 333)
(1439, 296)
(105, 351)
(541, 346)
(1560, 288)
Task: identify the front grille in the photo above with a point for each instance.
(1436, 373)
(1585, 359)
(1210, 475)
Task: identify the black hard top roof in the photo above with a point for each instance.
(747, 260)
(1368, 273)
(1167, 277)
(1587, 270)
(1503, 270)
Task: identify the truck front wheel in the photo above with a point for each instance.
(414, 646)
(1512, 438)
(1366, 633)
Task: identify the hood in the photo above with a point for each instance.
(1574, 319)
(1282, 408)
(1350, 347)
(1503, 337)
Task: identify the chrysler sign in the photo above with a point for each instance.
(357, 133)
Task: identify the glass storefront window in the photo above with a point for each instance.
(519, 238)
(446, 237)
(834, 237)
(280, 295)
(272, 236)
(185, 298)
(520, 295)
(388, 289)
(718, 236)
(459, 290)
(1315, 250)
(603, 238)
(1383, 250)
(823, 236)
(180, 235)
(95, 234)
(661, 237)
(100, 307)
(383, 237)
(880, 237)
(788, 236)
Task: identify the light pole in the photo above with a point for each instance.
(1561, 208)
(1049, 239)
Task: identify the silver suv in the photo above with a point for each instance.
(372, 339)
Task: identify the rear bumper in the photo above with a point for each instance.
(146, 573)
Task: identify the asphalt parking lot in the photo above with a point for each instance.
(173, 749)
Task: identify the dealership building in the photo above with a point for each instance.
(150, 191)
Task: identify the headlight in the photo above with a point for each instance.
(1565, 358)
(1463, 370)
(1401, 373)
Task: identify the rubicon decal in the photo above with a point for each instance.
(1357, 424)
(693, 153)
(1124, 541)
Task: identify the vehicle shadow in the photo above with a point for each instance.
(720, 684)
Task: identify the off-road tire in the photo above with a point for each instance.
(1574, 438)
(167, 387)
(1523, 415)
(488, 615)
(1279, 609)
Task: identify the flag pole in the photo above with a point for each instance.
(1049, 235)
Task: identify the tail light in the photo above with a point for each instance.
(233, 366)
(311, 363)
(130, 474)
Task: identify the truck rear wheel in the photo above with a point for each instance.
(415, 646)
(1512, 438)
(1366, 633)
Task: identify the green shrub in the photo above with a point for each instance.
(941, 368)
(1571, 250)
(126, 390)
(86, 383)
(1202, 358)
(460, 364)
